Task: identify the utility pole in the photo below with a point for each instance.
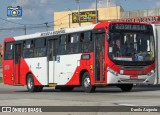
(108, 3)
(25, 29)
(46, 23)
(96, 13)
(116, 10)
(79, 17)
(69, 20)
(69, 16)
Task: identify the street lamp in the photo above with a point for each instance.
(116, 10)
(96, 13)
(69, 9)
(46, 23)
(69, 17)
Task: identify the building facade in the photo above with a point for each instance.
(69, 19)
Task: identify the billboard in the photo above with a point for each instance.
(86, 16)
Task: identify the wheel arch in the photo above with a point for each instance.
(27, 76)
(81, 75)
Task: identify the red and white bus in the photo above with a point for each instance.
(108, 53)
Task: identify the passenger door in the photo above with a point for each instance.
(17, 62)
(52, 45)
(99, 56)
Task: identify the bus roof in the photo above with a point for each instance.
(50, 33)
(63, 31)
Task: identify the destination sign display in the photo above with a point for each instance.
(136, 27)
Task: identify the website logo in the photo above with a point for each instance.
(14, 11)
(6, 109)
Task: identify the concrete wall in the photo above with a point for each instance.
(61, 19)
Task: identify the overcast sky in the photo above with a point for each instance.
(41, 11)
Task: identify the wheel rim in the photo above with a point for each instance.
(30, 83)
(87, 82)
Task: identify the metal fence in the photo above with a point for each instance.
(140, 13)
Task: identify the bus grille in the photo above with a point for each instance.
(132, 67)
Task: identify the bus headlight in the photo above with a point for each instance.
(150, 73)
(112, 71)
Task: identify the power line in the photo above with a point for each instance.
(25, 27)
(35, 24)
(11, 28)
(11, 21)
(60, 18)
(24, 24)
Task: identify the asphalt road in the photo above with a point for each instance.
(109, 96)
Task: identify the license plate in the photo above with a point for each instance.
(134, 77)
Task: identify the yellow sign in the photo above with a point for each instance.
(87, 16)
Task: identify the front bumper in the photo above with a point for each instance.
(126, 79)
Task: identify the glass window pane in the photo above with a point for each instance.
(87, 37)
(39, 43)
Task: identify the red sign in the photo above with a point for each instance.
(149, 19)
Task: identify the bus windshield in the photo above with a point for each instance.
(131, 47)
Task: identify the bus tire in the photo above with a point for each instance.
(30, 84)
(126, 87)
(86, 83)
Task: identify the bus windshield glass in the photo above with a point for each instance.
(131, 46)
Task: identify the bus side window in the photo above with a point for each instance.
(8, 55)
(40, 47)
(73, 43)
(28, 49)
(82, 37)
(62, 45)
(87, 45)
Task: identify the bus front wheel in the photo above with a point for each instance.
(86, 83)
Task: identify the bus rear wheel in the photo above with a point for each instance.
(30, 85)
(86, 83)
(126, 87)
